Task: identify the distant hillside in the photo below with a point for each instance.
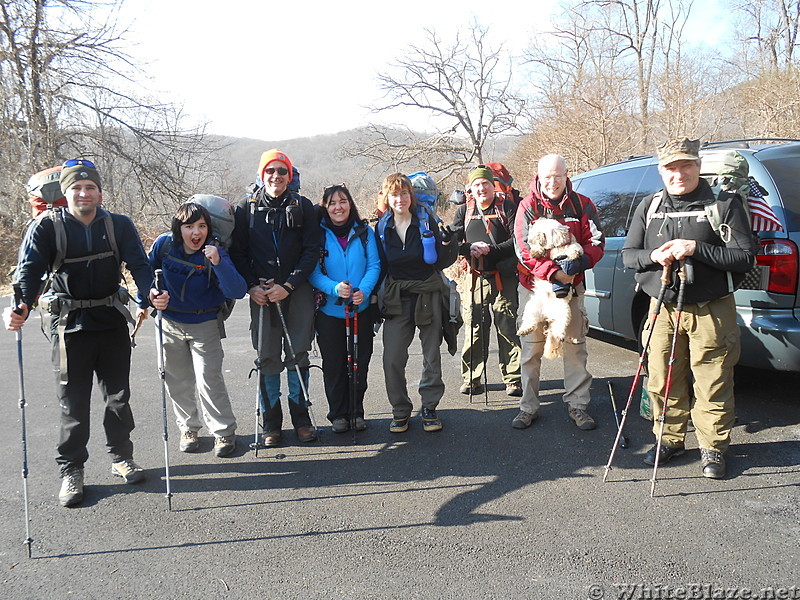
(320, 160)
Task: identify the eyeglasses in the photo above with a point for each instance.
(281, 171)
(478, 167)
(79, 161)
(334, 185)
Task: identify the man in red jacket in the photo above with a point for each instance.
(552, 197)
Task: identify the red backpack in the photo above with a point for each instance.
(502, 191)
(502, 183)
(44, 190)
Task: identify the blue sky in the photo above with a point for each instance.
(275, 71)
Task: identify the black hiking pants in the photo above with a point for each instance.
(107, 354)
(332, 340)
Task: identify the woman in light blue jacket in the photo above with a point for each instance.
(346, 275)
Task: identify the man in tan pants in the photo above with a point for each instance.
(671, 227)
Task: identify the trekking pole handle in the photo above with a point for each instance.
(665, 275)
(353, 291)
(158, 280)
(17, 307)
(339, 299)
(688, 270)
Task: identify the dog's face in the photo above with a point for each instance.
(545, 234)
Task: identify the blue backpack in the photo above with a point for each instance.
(425, 190)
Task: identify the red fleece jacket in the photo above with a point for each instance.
(575, 211)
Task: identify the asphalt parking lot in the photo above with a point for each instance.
(477, 510)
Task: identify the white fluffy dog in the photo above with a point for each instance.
(548, 237)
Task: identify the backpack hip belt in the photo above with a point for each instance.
(487, 275)
(62, 305)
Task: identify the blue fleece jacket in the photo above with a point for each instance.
(193, 297)
(362, 269)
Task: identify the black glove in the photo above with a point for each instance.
(573, 266)
(561, 290)
(447, 233)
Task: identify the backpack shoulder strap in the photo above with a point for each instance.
(56, 214)
(655, 203)
(470, 210)
(499, 206)
(714, 217)
(112, 240)
(380, 228)
(577, 207)
(164, 249)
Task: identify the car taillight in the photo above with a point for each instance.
(781, 258)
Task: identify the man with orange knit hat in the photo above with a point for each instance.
(277, 239)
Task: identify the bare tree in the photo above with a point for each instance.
(584, 93)
(635, 27)
(772, 26)
(70, 89)
(465, 86)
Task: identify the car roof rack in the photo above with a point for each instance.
(745, 142)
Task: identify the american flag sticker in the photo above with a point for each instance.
(761, 215)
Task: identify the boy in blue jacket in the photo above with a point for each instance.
(198, 278)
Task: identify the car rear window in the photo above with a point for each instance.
(617, 193)
(785, 171)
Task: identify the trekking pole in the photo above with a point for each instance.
(257, 445)
(293, 356)
(16, 305)
(623, 443)
(348, 329)
(665, 281)
(162, 375)
(682, 274)
(354, 386)
(471, 323)
(484, 338)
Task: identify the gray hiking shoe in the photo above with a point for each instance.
(582, 419)
(71, 492)
(224, 445)
(523, 420)
(713, 463)
(340, 425)
(189, 441)
(128, 470)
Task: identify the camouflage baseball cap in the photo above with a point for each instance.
(678, 149)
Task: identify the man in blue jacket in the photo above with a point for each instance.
(84, 246)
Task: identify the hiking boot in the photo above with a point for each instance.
(667, 453)
(514, 390)
(272, 439)
(582, 419)
(224, 445)
(477, 388)
(713, 463)
(430, 422)
(399, 425)
(128, 470)
(361, 424)
(189, 441)
(307, 433)
(340, 425)
(71, 492)
(523, 420)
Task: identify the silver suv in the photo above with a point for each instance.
(767, 302)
